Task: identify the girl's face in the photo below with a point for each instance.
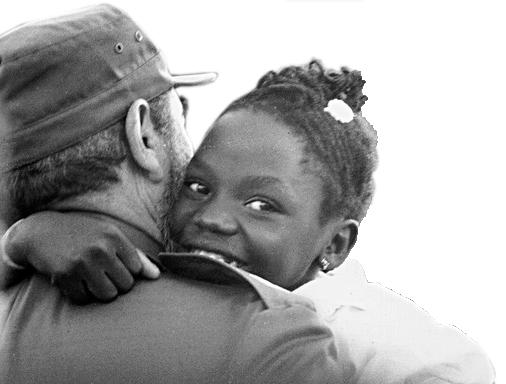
(248, 199)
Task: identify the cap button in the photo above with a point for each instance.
(118, 48)
(138, 36)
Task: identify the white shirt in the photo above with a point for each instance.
(386, 338)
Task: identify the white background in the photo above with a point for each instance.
(435, 81)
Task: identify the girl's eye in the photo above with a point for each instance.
(260, 205)
(197, 187)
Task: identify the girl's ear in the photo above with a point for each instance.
(143, 140)
(340, 246)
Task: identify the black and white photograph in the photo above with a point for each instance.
(283, 191)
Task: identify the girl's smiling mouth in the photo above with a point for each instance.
(218, 256)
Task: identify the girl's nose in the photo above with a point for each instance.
(217, 217)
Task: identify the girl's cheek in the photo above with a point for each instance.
(270, 264)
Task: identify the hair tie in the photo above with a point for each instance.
(339, 110)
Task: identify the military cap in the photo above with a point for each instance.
(65, 79)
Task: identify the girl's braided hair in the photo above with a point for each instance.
(343, 155)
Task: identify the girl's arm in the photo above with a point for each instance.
(98, 264)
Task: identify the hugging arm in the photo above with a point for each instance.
(89, 259)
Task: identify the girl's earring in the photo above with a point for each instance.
(324, 264)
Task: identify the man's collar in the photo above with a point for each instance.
(208, 269)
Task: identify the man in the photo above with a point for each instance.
(92, 124)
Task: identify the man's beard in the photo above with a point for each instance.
(170, 195)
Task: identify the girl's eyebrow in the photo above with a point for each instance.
(261, 181)
(271, 182)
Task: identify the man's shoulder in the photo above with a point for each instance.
(224, 323)
(200, 267)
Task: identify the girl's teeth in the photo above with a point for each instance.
(211, 255)
(216, 257)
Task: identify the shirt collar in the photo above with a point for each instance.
(343, 287)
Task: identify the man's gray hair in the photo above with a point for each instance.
(91, 165)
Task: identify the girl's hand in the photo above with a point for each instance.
(89, 259)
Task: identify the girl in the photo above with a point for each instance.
(278, 185)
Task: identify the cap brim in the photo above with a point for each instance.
(194, 79)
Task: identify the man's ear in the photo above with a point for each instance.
(340, 246)
(143, 140)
